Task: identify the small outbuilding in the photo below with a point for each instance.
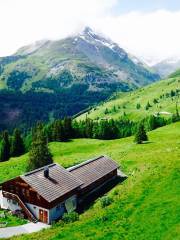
(46, 193)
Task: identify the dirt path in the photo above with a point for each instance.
(26, 228)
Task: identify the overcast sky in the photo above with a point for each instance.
(149, 29)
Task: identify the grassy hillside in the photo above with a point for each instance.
(175, 74)
(159, 95)
(145, 206)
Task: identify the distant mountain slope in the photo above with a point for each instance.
(166, 67)
(161, 96)
(85, 58)
(58, 78)
(175, 74)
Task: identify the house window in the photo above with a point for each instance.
(14, 202)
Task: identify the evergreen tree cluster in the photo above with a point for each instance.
(11, 146)
(63, 130)
(60, 130)
(39, 154)
(172, 93)
(103, 129)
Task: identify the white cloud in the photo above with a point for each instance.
(153, 34)
(24, 21)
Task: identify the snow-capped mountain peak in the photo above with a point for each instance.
(98, 40)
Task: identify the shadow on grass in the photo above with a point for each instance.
(68, 140)
(89, 200)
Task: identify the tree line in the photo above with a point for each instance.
(36, 142)
(11, 146)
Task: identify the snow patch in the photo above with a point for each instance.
(107, 44)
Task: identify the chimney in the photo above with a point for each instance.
(46, 172)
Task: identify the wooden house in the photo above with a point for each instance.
(46, 193)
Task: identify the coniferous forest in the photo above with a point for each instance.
(63, 130)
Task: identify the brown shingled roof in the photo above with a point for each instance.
(92, 170)
(59, 183)
(62, 181)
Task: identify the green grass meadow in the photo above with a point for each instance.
(146, 206)
(125, 104)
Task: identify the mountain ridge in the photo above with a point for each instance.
(50, 58)
(167, 66)
(71, 74)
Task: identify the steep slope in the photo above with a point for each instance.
(86, 57)
(167, 66)
(71, 74)
(161, 96)
(175, 74)
(145, 206)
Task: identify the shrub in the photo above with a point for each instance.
(105, 201)
(148, 105)
(104, 218)
(138, 106)
(115, 192)
(70, 217)
(106, 111)
(155, 101)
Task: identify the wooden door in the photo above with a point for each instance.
(45, 217)
(40, 215)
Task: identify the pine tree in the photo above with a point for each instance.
(148, 105)
(17, 144)
(138, 106)
(104, 130)
(95, 130)
(68, 130)
(5, 147)
(151, 122)
(114, 109)
(58, 133)
(48, 131)
(113, 134)
(76, 129)
(155, 101)
(140, 135)
(39, 154)
(89, 128)
(176, 116)
(177, 111)
(106, 111)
